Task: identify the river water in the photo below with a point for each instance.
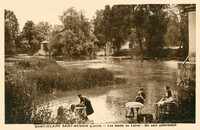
(109, 101)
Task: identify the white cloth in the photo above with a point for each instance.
(163, 101)
(80, 112)
(134, 105)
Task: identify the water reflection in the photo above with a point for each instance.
(109, 102)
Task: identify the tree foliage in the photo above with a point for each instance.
(112, 24)
(172, 36)
(139, 31)
(55, 45)
(11, 27)
(76, 33)
(33, 35)
(152, 26)
(99, 29)
(19, 96)
(183, 26)
(29, 35)
(74, 37)
(156, 28)
(42, 31)
(121, 28)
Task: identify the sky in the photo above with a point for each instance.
(50, 10)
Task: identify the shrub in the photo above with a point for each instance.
(27, 79)
(56, 77)
(33, 63)
(19, 96)
(48, 75)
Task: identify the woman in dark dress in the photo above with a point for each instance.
(86, 102)
(168, 92)
(140, 96)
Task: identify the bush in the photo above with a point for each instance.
(48, 76)
(55, 77)
(19, 96)
(27, 79)
(33, 63)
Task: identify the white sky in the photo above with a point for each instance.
(49, 10)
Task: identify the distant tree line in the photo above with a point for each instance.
(74, 37)
(26, 41)
(152, 27)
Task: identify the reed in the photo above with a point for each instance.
(26, 80)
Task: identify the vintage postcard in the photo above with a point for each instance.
(99, 64)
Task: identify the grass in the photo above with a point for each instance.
(19, 96)
(49, 76)
(27, 79)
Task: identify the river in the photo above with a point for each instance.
(109, 101)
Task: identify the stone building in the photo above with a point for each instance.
(187, 69)
(186, 81)
(191, 10)
(43, 49)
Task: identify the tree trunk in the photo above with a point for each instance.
(139, 37)
(141, 49)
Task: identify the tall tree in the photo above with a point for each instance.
(42, 31)
(103, 27)
(113, 24)
(55, 45)
(121, 24)
(156, 28)
(76, 32)
(29, 34)
(149, 25)
(107, 23)
(183, 25)
(11, 27)
(172, 35)
(139, 19)
(99, 28)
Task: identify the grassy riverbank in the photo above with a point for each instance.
(26, 80)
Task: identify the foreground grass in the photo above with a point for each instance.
(26, 80)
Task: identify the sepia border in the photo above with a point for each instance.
(5, 3)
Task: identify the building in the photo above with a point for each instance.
(186, 80)
(43, 49)
(191, 10)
